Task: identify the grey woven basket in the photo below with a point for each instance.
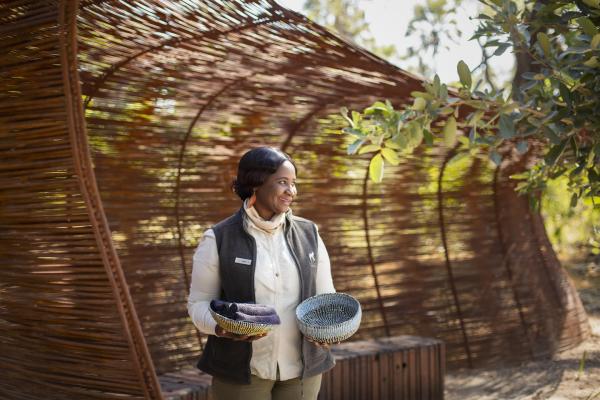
(329, 317)
(241, 327)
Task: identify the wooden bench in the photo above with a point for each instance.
(398, 368)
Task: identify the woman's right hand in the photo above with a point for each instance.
(220, 332)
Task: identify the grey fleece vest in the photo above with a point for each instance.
(230, 359)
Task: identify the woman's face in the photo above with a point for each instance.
(275, 196)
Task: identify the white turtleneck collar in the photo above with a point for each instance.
(269, 226)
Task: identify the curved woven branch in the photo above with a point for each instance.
(506, 262)
(89, 190)
(212, 34)
(369, 247)
(451, 280)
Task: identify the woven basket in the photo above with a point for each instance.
(241, 327)
(329, 317)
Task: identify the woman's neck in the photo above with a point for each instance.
(264, 213)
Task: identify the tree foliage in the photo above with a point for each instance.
(554, 103)
(347, 19)
(436, 25)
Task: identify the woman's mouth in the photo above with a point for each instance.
(286, 201)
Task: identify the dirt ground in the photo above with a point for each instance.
(558, 379)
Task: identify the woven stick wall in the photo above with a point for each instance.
(121, 125)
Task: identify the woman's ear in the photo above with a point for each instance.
(252, 199)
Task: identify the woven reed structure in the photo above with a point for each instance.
(121, 123)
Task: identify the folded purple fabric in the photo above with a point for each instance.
(223, 308)
(271, 319)
(252, 309)
(246, 312)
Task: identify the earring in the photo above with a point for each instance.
(252, 199)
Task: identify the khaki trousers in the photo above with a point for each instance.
(264, 389)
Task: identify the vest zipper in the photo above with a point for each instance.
(301, 292)
(253, 241)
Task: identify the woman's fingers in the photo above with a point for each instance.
(256, 337)
(320, 344)
(230, 335)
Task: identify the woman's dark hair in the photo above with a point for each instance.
(255, 167)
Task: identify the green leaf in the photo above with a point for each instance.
(464, 74)
(354, 132)
(495, 157)
(423, 95)
(593, 175)
(574, 199)
(356, 118)
(576, 50)
(565, 94)
(506, 125)
(574, 147)
(595, 41)
(501, 49)
(436, 85)
(415, 135)
(534, 202)
(577, 171)
(450, 132)
(520, 176)
(354, 146)
(400, 139)
(592, 62)
(427, 137)
(528, 85)
(509, 107)
(376, 168)
(544, 42)
(522, 147)
(446, 111)
(588, 26)
(556, 173)
(391, 156)
(464, 140)
(392, 145)
(377, 106)
(555, 152)
(344, 112)
(419, 104)
(369, 148)
(444, 92)
(590, 158)
(550, 134)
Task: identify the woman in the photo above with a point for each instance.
(266, 255)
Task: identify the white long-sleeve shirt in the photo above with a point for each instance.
(276, 283)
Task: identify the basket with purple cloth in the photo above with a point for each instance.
(329, 317)
(244, 318)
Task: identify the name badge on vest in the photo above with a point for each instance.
(243, 261)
